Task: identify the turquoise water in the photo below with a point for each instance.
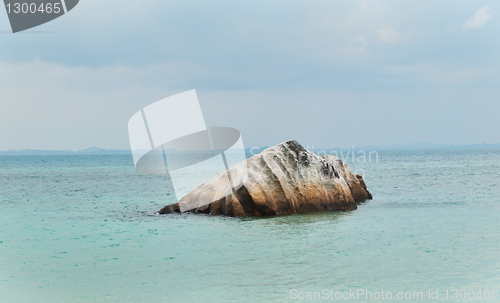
(84, 229)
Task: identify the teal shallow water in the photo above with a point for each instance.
(83, 229)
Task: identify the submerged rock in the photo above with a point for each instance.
(283, 179)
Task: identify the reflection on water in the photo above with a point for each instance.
(299, 219)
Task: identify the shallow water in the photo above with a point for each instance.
(84, 229)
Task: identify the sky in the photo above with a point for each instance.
(325, 73)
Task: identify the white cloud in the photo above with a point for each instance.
(479, 19)
(362, 40)
(388, 34)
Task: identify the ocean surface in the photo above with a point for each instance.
(84, 229)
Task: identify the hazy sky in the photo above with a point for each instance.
(326, 73)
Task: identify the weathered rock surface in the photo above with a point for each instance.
(283, 179)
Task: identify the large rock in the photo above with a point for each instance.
(283, 179)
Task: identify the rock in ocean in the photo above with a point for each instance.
(283, 179)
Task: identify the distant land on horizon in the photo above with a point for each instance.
(88, 151)
(392, 147)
